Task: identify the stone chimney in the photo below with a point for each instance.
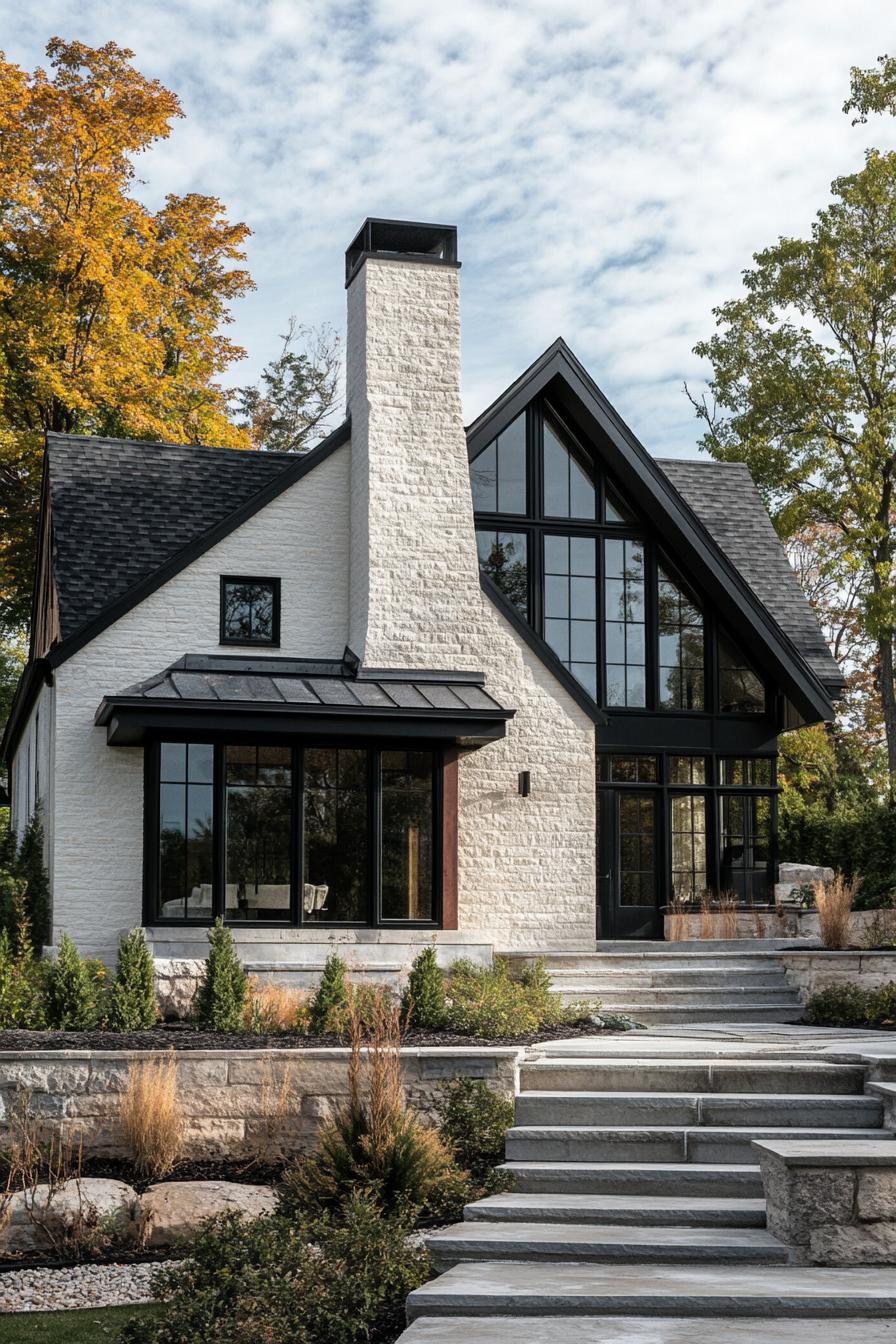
(414, 570)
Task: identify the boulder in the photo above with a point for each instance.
(173, 1210)
(797, 874)
(176, 981)
(84, 1208)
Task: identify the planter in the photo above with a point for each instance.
(753, 921)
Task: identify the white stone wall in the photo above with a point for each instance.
(302, 536)
(527, 868)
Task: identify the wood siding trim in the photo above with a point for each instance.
(449, 838)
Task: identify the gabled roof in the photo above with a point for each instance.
(127, 515)
(773, 619)
(219, 690)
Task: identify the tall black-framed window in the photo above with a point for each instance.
(250, 610)
(293, 833)
(538, 490)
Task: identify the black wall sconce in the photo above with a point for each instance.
(525, 783)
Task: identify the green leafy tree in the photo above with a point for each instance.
(289, 408)
(71, 990)
(423, 1002)
(330, 1006)
(220, 1000)
(133, 998)
(803, 389)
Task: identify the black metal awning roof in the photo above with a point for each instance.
(303, 698)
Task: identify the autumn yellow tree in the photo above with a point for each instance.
(111, 314)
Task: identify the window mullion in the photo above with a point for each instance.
(219, 837)
(375, 831)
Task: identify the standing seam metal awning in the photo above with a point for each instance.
(279, 695)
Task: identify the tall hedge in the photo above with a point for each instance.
(859, 839)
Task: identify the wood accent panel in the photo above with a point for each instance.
(449, 838)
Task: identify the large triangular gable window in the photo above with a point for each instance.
(563, 545)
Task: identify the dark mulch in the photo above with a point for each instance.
(181, 1036)
(243, 1173)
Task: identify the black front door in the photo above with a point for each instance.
(628, 855)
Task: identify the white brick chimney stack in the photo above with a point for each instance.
(414, 570)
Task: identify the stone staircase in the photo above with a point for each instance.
(670, 983)
(638, 1209)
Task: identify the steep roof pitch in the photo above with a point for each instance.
(724, 497)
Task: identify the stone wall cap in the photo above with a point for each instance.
(830, 1152)
(260, 1052)
(881, 1089)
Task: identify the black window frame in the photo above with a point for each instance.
(274, 583)
(536, 523)
(374, 750)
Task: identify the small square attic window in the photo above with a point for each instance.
(250, 610)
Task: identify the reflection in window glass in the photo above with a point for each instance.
(687, 769)
(336, 830)
(258, 830)
(613, 510)
(680, 647)
(186, 810)
(407, 855)
(503, 556)
(688, 830)
(740, 690)
(498, 473)
(624, 622)
(570, 605)
(637, 849)
(249, 611)
(746, 845)
(747, 770)
(568, 484)
(629, 769)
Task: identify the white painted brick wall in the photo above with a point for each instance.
(527, 868)
(302, 536)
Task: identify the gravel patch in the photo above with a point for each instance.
(77, 1286)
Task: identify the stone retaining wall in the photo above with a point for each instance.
(235, 1103)
(815, 969)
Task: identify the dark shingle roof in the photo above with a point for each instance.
(725, 499)
(121, 507)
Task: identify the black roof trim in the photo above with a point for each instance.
(640, 473)
(295, 467)
(542, 649)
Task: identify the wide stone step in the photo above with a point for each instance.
(676, 1108)
(619, 1210)
(691, 996)
(689, 1075)
(777, 1291)
(723, 1013)
(761, 973)
(654, 1143)
(539, 1242)
(645, 1330)
(673, 1179)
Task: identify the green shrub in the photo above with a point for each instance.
(30, 867)
(423, 1002)
(329, 1008)
(845, 1005)
(22, 989)
(882, 1005)
(133, 998)
(74, 990)
(220, 1001)
(857, 837)
(488, 1001)
(329, 1280)
(473, 1121)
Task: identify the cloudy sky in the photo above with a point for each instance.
(611, 164)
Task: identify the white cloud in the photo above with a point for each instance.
(611, 164)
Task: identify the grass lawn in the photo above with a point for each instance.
(74, 1327)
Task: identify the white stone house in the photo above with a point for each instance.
(514, 685)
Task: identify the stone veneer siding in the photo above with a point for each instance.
(815, 969)
(526, 866)
(236, 1103)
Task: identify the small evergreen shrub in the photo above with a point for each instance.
(220, 1000)
(341, 1278)
(845, 1005)
(133, 996)
(22, 989)
(30, 868)
(473, 1121)
(423, 1001)
(330, 1006)
(882, 1006)
(488, 1001)
(73, 990)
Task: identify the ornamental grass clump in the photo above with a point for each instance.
(151, 1117)
(132, 1004)
(276, 1009)
(220, 1000)
(834, 902)
(423, 1001)
(374, 1142)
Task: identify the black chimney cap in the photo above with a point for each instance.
(399, 238)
